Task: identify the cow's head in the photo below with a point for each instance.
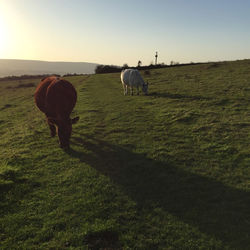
(64, 129)
(145, 88)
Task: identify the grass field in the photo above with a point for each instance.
(170, 170)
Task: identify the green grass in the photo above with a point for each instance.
(170, 170)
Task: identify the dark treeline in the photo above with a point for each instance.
(102, 69)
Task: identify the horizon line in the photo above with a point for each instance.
(191, 62)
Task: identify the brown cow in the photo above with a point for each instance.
(56, 98)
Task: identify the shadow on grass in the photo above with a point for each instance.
(13, 187)
(102, 240)
(178, 96)
(216, 209)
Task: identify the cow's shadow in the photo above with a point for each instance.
(217, 210)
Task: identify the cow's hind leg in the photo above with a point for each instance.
(131, 91)
(125, 89)
(52, 128)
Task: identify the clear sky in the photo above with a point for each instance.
(119, 31)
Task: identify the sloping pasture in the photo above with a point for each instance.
(170, 170)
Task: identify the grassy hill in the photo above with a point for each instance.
(169, 170)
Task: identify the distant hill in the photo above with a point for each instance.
(11, 67)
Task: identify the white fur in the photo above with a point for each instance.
(132, 78)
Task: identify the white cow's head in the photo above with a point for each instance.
(145, 88)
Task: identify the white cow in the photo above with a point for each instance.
(132, 78)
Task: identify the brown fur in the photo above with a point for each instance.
(56, 98)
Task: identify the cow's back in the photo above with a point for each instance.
(55, 97)
(41, 92)
(131, 77)
(61, 98)
(125, 77)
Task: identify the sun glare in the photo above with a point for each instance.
(3, 38)
(4, 31)
(17, 35)
(8, 20)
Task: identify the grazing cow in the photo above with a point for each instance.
(132, 78)
(56, 98)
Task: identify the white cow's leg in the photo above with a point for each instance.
(125, 89)
(131, 90)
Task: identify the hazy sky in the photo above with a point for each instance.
(119, 31)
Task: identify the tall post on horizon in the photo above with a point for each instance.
(156, 55)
